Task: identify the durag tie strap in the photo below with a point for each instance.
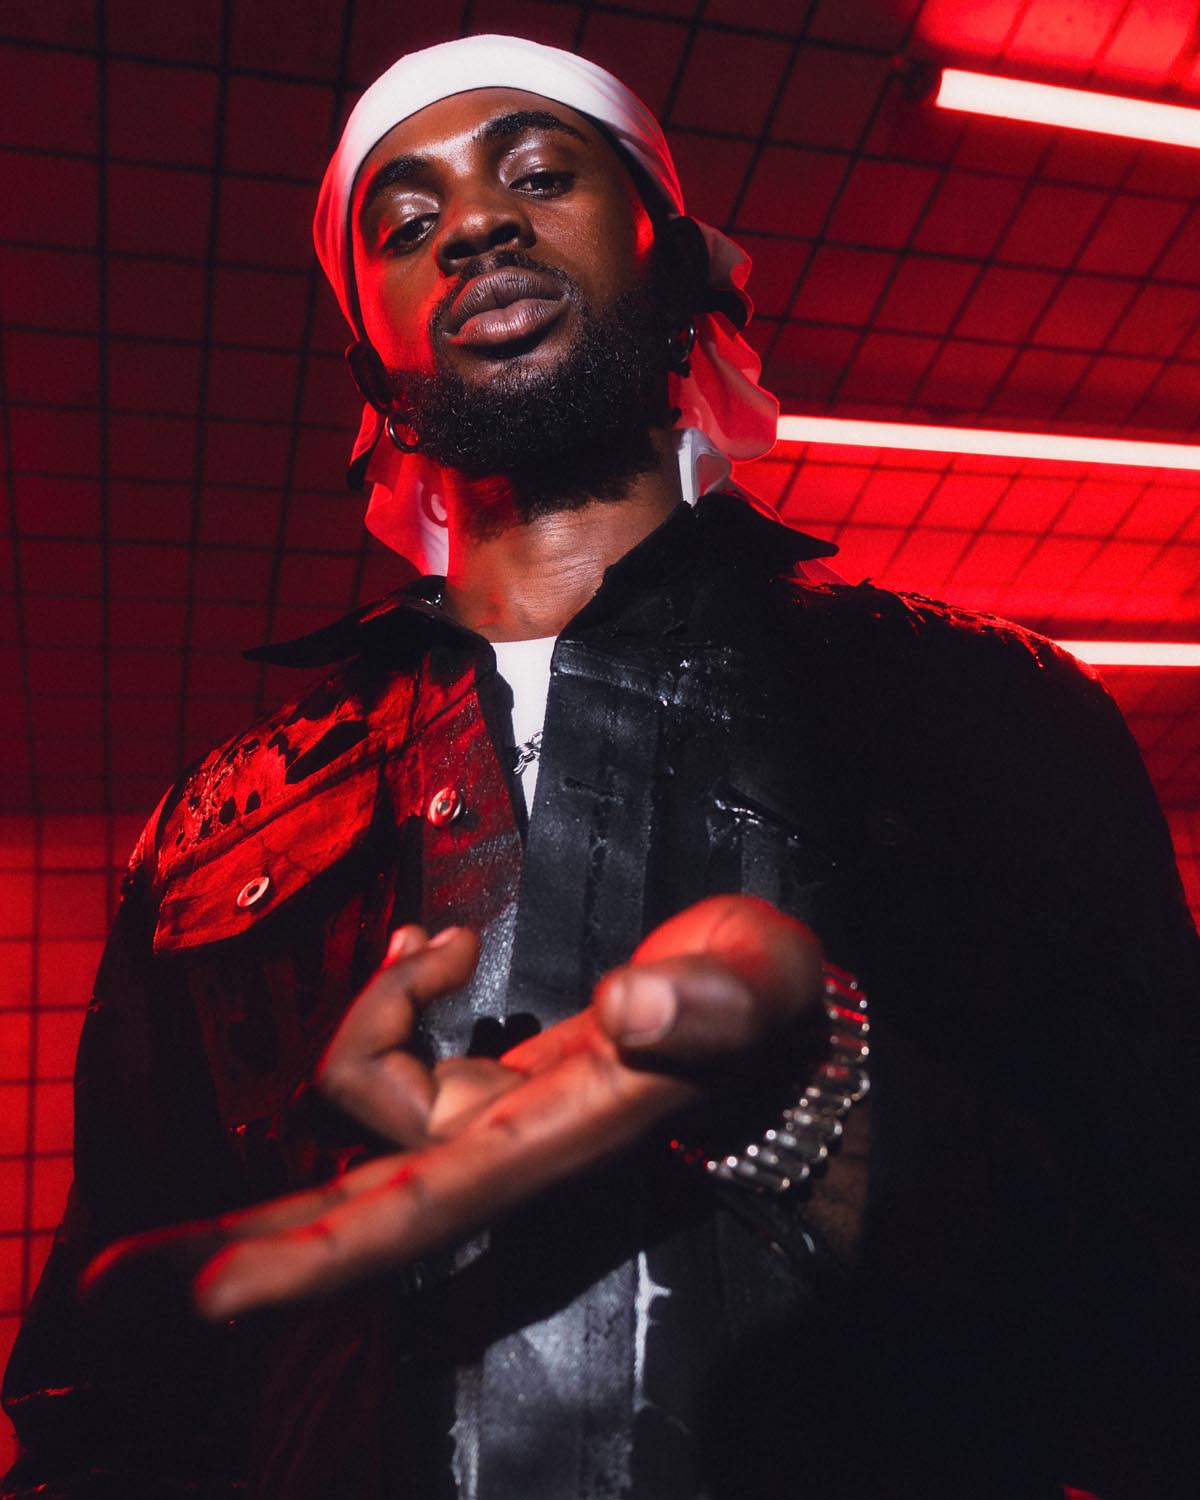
(724, 413)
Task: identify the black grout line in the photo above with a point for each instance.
(696, 23)
(692, 25)
(315, 284)
(764, 137)
(35, 807)
(271, 75)
(581, 25)
(31, 1092)
(22, 639)
(942, 171)
(106, 640)
(201, 414)
(704, 132)
(822, 237)
(295, 272)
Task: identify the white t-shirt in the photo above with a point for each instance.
(525, 667)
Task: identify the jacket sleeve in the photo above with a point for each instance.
(142, 1404)
(1057, 1048)
(1114, 1054)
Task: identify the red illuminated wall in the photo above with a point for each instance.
(58, 886)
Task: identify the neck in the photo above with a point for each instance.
(515, 577)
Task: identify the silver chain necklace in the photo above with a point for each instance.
(524, 755)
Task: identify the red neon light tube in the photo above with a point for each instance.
(1074, 109)
(1135, 653)
(988, 441)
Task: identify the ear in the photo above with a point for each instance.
(685, 260)
(370, 376)
(685, 257)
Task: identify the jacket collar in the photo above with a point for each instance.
(720, 523)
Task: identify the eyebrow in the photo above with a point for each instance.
(521, 120)
(403, 169)
(399, 169)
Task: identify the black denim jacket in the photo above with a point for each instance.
(956, 808)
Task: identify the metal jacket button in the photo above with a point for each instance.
(254, 890)
(445, 806)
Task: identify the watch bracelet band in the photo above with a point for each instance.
(809, 1130)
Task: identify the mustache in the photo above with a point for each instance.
(499, 260)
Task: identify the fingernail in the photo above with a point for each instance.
(213, 1303)
(397, 944)
(214, 1293)
(441, 938)
(646, 1006)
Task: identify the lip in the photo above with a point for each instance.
(503, 306)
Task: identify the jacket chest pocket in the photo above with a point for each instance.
(273, 935)
(759, 846)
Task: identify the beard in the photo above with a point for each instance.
(562, 435)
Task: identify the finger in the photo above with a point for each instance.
(781, 959)
(695, 1008)
(398, 1209)
(365, 1071)
(778, 956)
(773, 966)
(405, 940)
(159, 1265)
(381, 1016)
(150, 1275)
(684, 1009)
(391, 1095)
(145, 1279)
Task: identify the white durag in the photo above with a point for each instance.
(724, 413)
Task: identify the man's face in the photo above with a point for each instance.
(451, 194)
(507, 276)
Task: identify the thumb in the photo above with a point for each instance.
(688, 1009)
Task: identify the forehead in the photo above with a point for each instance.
(460, 119)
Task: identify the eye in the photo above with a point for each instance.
(545, 183)
(410, 232)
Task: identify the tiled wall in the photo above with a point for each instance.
(58, 885)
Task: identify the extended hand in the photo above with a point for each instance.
(483, 1136)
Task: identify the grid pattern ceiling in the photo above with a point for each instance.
(176, 415)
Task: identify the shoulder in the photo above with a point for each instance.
(281, 761)
(923, 625)
(766, 561)
(914, 647)
(293, 751)
(884, 660)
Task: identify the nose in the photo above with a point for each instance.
(482, 221)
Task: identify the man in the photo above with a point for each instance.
(537, 1296)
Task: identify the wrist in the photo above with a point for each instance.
(808, 1129)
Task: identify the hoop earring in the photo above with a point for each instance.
(681, 346)
(404, 445)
